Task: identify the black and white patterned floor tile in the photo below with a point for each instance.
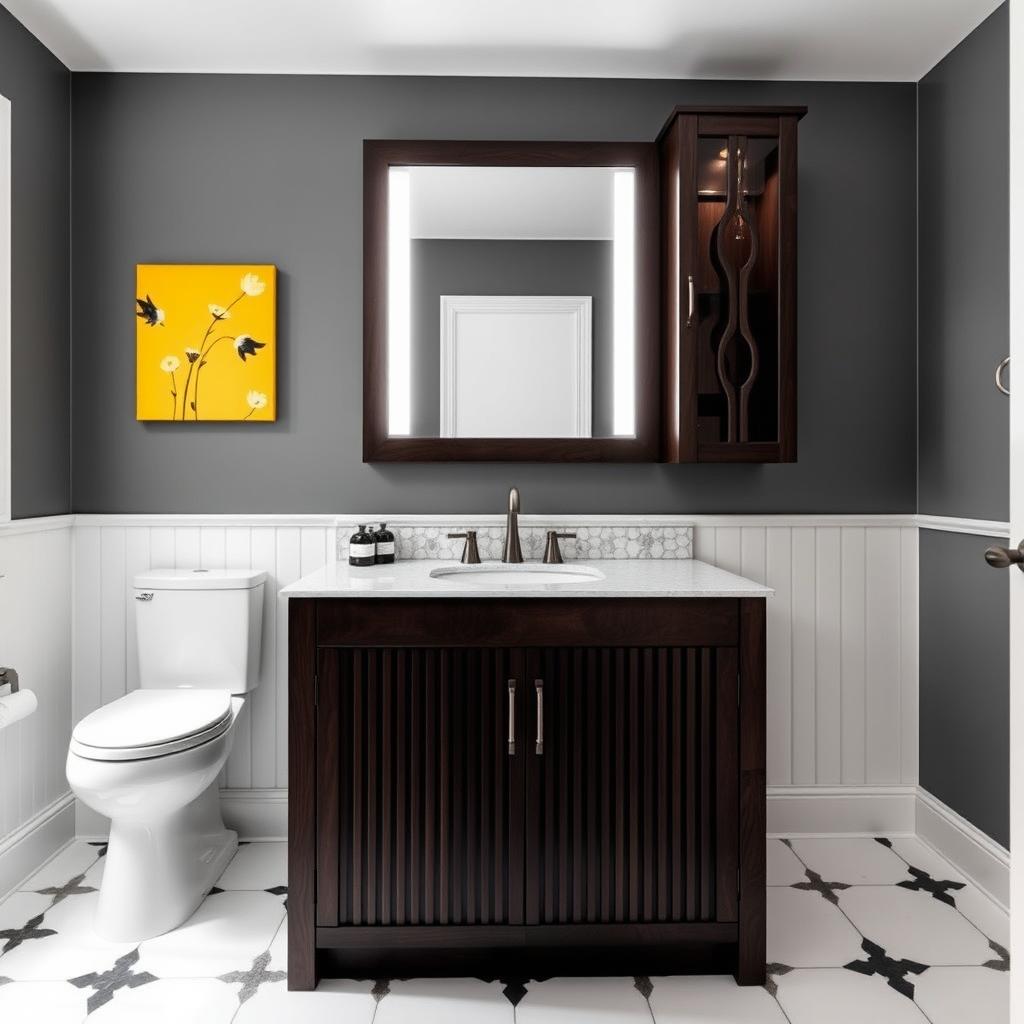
(858, 930)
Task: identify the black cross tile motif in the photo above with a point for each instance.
(514, 990)
(102, 849)
(6, 981)
(775, 971)
(251, 979)
(381, 988)
(216, 890)
(923, 882)
(14, 937)
(887, 843)
(827, 890)
(71, 888)
(1002, 963)
(643, 985)
(894, 971)
(279, 890)
(106, 984)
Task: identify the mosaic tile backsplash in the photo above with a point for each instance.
(611, 541)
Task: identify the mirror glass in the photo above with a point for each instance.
(511, 302)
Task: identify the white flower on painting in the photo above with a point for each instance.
(169, 364)
(252, 285)
(218, 311)
(256, 400)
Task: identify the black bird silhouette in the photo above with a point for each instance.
(148, 311)
(246, 345)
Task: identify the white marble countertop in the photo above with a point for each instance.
(618, 578)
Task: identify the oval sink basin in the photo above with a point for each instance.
(525, 576)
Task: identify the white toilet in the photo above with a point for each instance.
(150, 760)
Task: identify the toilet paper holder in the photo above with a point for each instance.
(8, 677)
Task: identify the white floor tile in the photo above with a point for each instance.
(855, 860)
(45, 1002)
(225, 934)
(257, 866)
(805, 930)
(984, 913)
(169, 1002)
(74, 950)
(952, 995)
(837, 996)
(444, 1001)
(583, 1001)
(279, 949)
(914, 926)
(75, 859)
(712, 1000)
(922, 856)
(334, 1002)
(784, 867)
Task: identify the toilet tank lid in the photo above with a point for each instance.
(199, 579)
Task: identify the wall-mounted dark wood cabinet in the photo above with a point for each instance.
(526, 788)
(729, 202)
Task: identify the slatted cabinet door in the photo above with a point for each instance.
(416, 814)
(632, 799)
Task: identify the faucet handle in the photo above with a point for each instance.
(552, 552)
(470, 553)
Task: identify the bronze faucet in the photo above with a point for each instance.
(513, 552)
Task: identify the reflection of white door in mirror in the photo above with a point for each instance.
(516, 366)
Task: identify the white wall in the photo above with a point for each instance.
(35, 639)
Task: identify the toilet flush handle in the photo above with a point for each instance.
(145, 596)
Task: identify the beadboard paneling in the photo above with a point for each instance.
(842, 630)
(35, 639)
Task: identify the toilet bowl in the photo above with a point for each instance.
(150, 761)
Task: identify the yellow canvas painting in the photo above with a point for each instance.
(206, 342)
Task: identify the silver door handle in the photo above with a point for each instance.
(1003, 558)
(539, 684)
(1000, 370)
(692, 301)
(511, 717)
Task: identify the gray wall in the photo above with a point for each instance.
(268, 169)
(964, 429)
(39, 87)
(965, 696)
(462, 266)
(964, 155)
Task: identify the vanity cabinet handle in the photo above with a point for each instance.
(539, 684)
(511, 717)
(692, 301)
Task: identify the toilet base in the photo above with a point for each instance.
(158, 871)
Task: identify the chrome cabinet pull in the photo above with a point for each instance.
(693, 302)
(539, 684)
(511, 717)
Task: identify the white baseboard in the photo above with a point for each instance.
(840, 810)
(256, 813)
(26, 849)
(975, 855)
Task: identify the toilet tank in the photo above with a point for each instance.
(199, 628)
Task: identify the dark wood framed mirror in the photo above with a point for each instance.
(510, 301)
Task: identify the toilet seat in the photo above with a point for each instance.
(152, 723)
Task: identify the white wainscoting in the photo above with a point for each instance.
(35, 639)
(842, 630)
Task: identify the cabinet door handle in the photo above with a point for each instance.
(511, 717)
(539, 684)
(692, 301)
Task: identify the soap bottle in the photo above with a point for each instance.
(385, 543)
(361, 547)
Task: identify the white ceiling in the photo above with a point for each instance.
(839, 40)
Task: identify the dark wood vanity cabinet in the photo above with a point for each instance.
(728, 215)
(523, 788)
